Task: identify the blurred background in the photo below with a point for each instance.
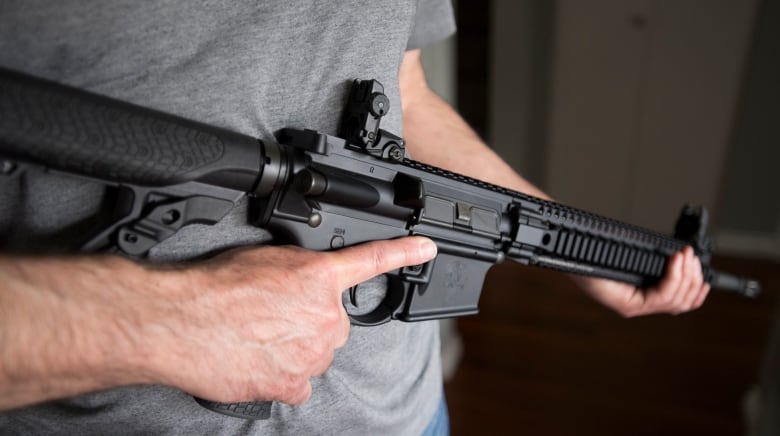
(627, 108)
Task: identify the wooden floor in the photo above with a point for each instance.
(542, 359)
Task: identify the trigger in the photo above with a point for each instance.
(353, 295)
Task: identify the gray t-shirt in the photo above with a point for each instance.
(252, 67)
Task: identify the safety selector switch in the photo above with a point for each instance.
(336, 242)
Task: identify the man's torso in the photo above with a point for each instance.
(249, 67)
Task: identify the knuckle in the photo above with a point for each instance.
(324, 364)
(680, 298)
(332, 315)
(324, 270)
(314, 360)
(378, 259)
(667, 298)
(289, 387)
(302, 393)
(343, 335)
(316, 264)
(315, 353)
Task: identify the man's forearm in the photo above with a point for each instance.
(65, 327)
(437, 135)
(250, 323)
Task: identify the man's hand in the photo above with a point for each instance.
(250, 324)
(271, 318)
(681, 290)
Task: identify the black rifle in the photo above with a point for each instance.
(323, 192)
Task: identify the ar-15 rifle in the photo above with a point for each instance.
(323, 192)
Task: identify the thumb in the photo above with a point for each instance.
(359, 263)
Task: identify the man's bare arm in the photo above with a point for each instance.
(252, 323)
(436, 134)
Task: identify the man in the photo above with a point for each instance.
(98, 344)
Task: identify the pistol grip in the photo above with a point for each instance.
(255, 410)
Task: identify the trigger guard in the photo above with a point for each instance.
(387, 308)
(378, 316)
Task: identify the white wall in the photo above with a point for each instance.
(641, 102)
